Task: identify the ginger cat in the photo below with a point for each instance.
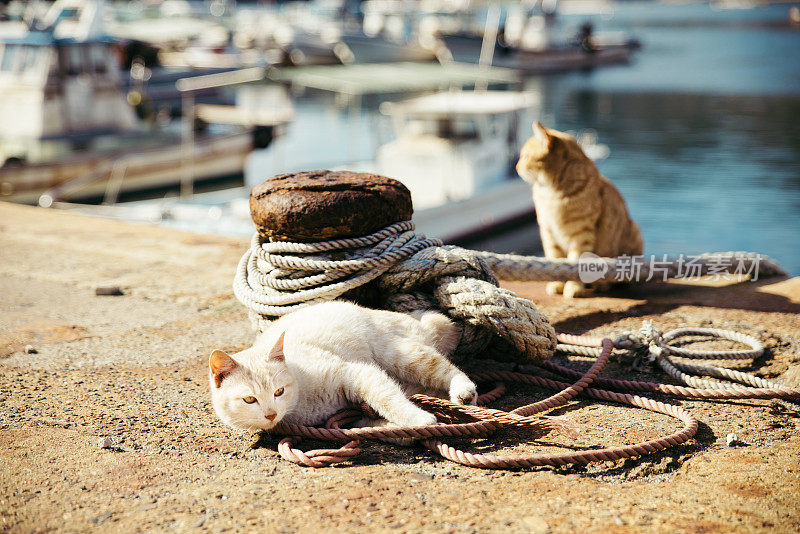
(311, 363)
(578, 209)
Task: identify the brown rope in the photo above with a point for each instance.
(323, 457)
(487, 420)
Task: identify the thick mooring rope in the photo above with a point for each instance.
(512, 267)
(411, 271)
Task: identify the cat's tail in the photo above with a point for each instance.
(440, 331)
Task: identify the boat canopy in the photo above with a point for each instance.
(448, 104)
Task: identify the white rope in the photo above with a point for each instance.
(512, 267)
(272, 284)
(412, 272)
(655, 346)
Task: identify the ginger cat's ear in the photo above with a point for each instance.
(276, 354)
(221, 365)
(548, 140)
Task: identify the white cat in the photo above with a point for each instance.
(311, 363)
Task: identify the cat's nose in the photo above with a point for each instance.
(270, 416)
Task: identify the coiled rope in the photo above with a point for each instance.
(414, 272)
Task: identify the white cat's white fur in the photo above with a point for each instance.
(321, 358)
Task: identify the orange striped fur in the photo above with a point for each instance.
(578, 209)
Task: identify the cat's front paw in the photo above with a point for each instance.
(554, 288)
(573, 289)
(463, 391)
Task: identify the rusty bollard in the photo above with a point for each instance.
(321, 205)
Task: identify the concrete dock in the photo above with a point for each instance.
(78, 368)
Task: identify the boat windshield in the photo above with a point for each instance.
(86, 58)
(456, 128)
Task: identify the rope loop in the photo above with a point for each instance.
(654, 346)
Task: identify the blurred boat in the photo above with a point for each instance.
(329, 38)
(455, 152)
(172, 25)
(67, 130)
(528, 37)
(452, 146)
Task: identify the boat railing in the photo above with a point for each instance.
(115, 179)
(114, 169)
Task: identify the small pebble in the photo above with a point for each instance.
(109, 291)
(106, 443)
(30, 349)
(100, 518)
(731, 440)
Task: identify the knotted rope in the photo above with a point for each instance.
(655, 346)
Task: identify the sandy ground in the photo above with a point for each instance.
(133, 368)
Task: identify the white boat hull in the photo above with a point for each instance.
(154, 168)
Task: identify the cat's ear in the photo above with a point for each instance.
(547, 137)
(276, 354)
(221, 365)
(548, 140)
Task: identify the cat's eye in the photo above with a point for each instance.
(249, 399)
(278, 392)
